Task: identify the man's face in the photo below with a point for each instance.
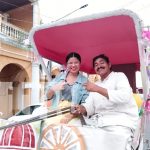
(102, 68)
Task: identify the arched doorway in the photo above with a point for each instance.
(12, 92)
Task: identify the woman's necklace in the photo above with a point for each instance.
(70, 80)
(70, 84)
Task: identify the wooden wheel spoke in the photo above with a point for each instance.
(54, 135)
(71, 143)
(46, 149)
(67, 137)
(61, 130)
(48, 141)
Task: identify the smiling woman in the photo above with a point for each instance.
(68, 84)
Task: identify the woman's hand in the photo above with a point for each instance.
(59, 86)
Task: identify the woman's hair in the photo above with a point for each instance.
(73, 54)
(101, 56)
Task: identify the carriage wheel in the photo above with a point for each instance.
(61, 137)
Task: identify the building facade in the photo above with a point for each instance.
(20, 79)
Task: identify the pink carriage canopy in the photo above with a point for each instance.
(114, 34)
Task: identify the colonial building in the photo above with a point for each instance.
(19, 70)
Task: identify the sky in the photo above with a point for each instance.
(51, 10)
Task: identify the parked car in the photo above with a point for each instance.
(27, 110)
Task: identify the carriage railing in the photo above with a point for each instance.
(49, 114)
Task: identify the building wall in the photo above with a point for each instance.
(16, 92)
(10, 99)
(5, 99)
(22, 17)
(10, 54)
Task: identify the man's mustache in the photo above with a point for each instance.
(100, 68)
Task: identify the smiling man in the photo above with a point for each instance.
(110, 105)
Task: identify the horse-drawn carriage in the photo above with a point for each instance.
(118, 34)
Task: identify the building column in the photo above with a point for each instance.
(35, 86)
(35, 97)
(0, 25)
(1, 16)
(36, 12)
(6, 16)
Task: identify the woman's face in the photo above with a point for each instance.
(73, 65)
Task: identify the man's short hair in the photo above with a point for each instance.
(103, 56)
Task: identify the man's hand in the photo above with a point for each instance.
(78, 110)
(90, 86)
